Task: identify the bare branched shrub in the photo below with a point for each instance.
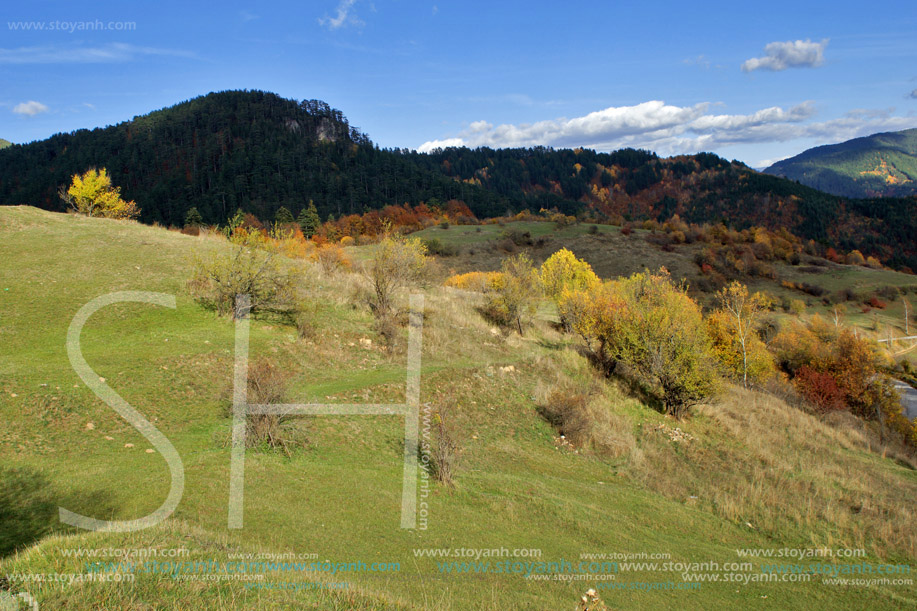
(443, 453)
(398, 263)
(267, 384)
(445, 450)
(304, 318)
(584, 421)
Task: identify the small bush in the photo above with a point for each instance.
(511, 299)
(797, 307)
(332, 258)
(875, 302)
(584, 421)
(443, 454)
(436, 247)
(246, 268)
(518, 237)
(820, 389)
(473, 281)
(304, 319)
(267, 384)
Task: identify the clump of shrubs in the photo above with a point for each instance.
(650, 325)
(436, 247)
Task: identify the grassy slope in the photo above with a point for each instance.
(4, 143)
(340, 496)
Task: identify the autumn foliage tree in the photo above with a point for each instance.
(652, 326)
(92, 194)
(835, 369)
(562, 275)
(742, 312)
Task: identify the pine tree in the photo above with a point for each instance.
(193, 218)
(283, 216)
(308, 220)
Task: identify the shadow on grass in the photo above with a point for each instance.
(629, 383)
(29, 507)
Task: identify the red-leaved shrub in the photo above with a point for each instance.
(820, 389)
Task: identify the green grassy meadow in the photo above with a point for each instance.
(756, 474)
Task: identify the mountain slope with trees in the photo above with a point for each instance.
(259, 152)
(878, 165)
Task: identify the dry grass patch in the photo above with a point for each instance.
(766, 464)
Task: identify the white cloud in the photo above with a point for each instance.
(114, 52)
(342, 18)
(766, 163)
(790, 54)
(30, 108)
(672, 130)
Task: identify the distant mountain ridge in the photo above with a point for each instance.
(4, 143)
(881, 165)
(257, 151)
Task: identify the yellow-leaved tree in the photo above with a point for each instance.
(739, 317)
(92, 194)
(562, 276)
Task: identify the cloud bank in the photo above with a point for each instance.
(673, 130)
(790, 54)
(30, 108)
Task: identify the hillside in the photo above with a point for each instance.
(746, 472)
(878, 165)
(233, 149)
(256, 151)
(4, 143)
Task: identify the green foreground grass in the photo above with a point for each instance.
(757, 474)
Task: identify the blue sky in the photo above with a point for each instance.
(756, 83)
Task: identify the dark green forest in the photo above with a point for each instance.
(257, 151)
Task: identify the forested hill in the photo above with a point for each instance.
(227, 150)
(634, 184)
(256, 151)
(878, 165)
(4, 143)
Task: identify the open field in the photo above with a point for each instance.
(753, 472)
